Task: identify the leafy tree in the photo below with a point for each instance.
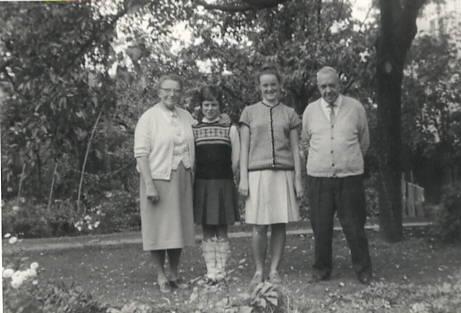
(396, 32)
(431, 119)
(51, 61)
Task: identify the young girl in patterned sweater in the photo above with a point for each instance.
(215, 196)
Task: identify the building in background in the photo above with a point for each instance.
(442, 19)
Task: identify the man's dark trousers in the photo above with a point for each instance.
(346, 196)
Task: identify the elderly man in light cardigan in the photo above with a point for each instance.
(335, 129)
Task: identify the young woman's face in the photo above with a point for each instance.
(210, 109)
(270, 87)
(170, 93)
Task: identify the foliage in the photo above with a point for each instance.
(448, 215)
(116, 211)
(266, 298)
(371, 195)
(237, 44)
(112, 212)
(63, 66)
(431, 113)
(54, 91)
(32, 219)
(36, 298)
(24, 292)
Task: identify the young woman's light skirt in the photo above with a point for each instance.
(271, 198)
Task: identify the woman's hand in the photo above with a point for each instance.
(243, 188)
(299, 189)
(152, 193)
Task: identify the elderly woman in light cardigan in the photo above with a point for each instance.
(164, 150)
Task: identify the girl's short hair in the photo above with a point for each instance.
(170, 76)
(211, 93)
(268, 69)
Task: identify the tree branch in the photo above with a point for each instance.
(241, 6)
(94, 37)
(319, 16)
(408, 26)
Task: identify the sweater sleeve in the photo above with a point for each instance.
(245, 118)
(295, 122)
(142, 136)
(364, 135)
(305, 135)
(235, 142)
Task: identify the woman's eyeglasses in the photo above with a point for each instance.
(171, 91)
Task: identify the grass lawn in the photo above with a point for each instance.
(123, 274)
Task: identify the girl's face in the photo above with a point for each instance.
(270, 87)
(210, 109)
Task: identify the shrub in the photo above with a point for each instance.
(448, 215)
(33, 297)
(113, 211)
(116, 211)
(371, 195)
(35, 220)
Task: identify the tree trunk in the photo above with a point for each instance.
(389, 150)
(397, 31)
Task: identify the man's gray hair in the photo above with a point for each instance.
(327, 70)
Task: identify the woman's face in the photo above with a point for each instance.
(210, 109)
(170, 93)
(270, 87)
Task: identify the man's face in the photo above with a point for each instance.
(328, 86)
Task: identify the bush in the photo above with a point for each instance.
(113, 211)
(38, 298)
(448, 215)
(371, 195)
(31, 220)
(116, 211)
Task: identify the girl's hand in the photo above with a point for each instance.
(152, 193)
(243, 188)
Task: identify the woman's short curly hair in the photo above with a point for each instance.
(170, 76)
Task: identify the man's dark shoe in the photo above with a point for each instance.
(364, 278)
(319, 276)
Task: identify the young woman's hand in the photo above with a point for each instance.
(243, 188)
(299, 189)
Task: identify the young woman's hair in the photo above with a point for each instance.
(268, 69)
(211, 93)
(173, 77)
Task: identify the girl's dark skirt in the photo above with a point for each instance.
(215, 202)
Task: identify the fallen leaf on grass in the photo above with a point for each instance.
(245, 309)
